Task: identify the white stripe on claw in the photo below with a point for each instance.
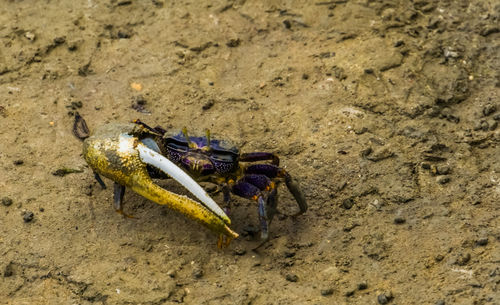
(153, 158)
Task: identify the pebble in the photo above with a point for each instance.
(30, 36)
(482, 241)
(384, 298)
(18, 162)
(239, 251)
(350, 293)
(493, 125)
(439, 302)
(440, 169)
(360, 130)
(197, 273)
(326, 292)
(208, 104)
(348, 203)
(399, 220)
(481, 125)
(233, 43)
(462, 259)
(292, 277)
(489, 109)
(171, 273)
(380, 154)
(6, 201)
(28, 216)
(443, 179)
(9, 270)
(362, 286)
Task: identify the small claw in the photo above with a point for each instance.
(223, 241)
(115, 153)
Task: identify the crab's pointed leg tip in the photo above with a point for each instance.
(220, 241)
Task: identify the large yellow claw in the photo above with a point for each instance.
(114, 151)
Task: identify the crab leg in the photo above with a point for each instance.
(261, 189)
(273, 171)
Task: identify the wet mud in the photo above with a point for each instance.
(386, 112)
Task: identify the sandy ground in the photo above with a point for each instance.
(387, 113)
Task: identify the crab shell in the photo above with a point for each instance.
(115, 151)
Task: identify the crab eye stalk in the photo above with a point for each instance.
(190, 143)
(207, 148)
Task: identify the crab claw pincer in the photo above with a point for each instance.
(115, 151)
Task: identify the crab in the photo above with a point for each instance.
(122, 153)
(219, 162)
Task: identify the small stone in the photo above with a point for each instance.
(350, 293)
(239, 251)
(348, 203)
(493, 125)
(443, 179)
(360, 130)
(399, 220)
(489, 29)
(489, 109)
(384, 298)
(9, 270)
(197, 273)
(380, 154)
(399, 43)
(139, 104)
(233, 43)
(28, 216)
(30, 36)
(18, 162)
(438, 258)
(61, 172)
(442, 170)
(481, 125)
(326, 292)
(366, 152)
(482, 241)
(6, 201)
(496, 117)
(362, 286)
(289, 254)
(208, 104)
(59, 40)
(439, 302)
(292, 277)
(463, 259)
(171, 273)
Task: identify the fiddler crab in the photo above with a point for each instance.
(133, 154)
